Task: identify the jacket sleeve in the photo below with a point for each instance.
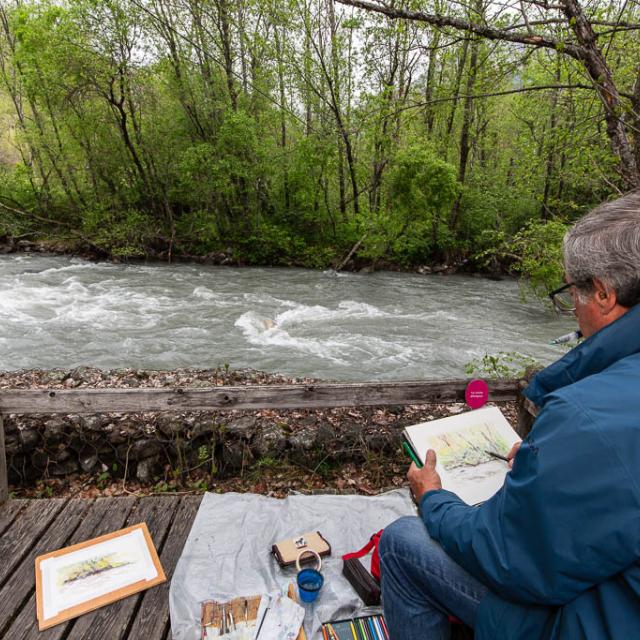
(566, 518)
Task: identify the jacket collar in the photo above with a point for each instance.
(605, 347)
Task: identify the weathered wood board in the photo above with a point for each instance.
(246, 397)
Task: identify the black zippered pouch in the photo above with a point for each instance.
(362, 581)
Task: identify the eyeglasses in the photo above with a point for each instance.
(562, 299)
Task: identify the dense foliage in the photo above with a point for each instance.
(296, 131)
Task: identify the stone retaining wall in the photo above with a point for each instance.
(148, 446)
(144, 445)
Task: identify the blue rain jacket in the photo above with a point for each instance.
(559, 544)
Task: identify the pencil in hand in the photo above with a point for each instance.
(499, 456)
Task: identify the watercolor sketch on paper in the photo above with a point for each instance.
(468, 448)
(469, 470)
(99, 565)
(100, 572)
(461, 443)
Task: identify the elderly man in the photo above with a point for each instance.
(556, 552)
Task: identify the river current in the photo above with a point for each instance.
(59, 312)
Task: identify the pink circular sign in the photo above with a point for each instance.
(477, 394)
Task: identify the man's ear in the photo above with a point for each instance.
(605, 297)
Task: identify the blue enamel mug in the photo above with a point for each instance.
(310, 581)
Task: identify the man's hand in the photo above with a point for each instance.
(512, 454)
(425, 479)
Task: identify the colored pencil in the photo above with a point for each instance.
(384, 626)
(371, 627)
(493, 454)
(376, 620)
(409, 451)
(374, 628)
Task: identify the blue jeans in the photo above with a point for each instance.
(422, 585)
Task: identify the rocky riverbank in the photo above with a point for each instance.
(218, 258)
(268, 451)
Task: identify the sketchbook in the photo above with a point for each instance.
(462, 443)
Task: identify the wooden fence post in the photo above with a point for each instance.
(4, 484)
(527, 411)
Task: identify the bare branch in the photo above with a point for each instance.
(621, 29)
(491, 33)
(31, 214)
(507, 92)
(616, 26)
(543, 4)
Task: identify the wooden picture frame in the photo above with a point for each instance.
(88, 575)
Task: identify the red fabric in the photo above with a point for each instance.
(373, 543)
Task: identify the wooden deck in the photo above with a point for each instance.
(29, 528)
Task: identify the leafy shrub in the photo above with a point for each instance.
(270, 244)
(199, 231)
(504, 364)
(421, 191)
(535, 253)
(125, 234)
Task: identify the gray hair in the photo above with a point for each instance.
(605, 244)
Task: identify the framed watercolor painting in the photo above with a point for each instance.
(78, 579)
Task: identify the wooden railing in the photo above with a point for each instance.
(306, 396)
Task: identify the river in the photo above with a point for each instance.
(60, 312)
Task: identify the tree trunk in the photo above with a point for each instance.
(224, 27)
(334, 85)
(545, 212)
(635, 116)
(283, 118)
(381, 142)
(308, 112)
(342, 188)
(467, 121)
(602, 79)
(166, 30)
(121, 116)
(243, 47)
(462, 61)
(202, 53)
(429, 111)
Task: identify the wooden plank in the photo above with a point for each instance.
(248, 397)
(9, 512)
(113, 621)
(291, 592)
(21, 583)
(4, 482)
(152, 619)
(104, 515)
(29, 525)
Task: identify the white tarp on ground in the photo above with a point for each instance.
(228, 552)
